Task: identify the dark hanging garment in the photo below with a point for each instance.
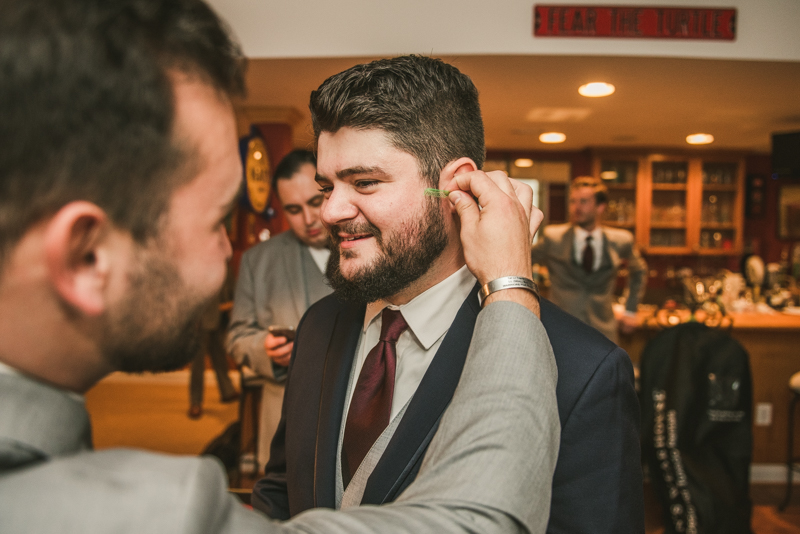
(696, 429)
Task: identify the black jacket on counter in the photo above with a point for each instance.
(696, 424)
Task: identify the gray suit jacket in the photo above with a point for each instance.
(588, 296)
(489, 477)
(278, 281)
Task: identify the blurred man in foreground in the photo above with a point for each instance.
(117, 169)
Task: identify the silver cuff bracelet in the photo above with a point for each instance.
(509, 282)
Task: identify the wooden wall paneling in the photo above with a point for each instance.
(738, 209)
(694, 202)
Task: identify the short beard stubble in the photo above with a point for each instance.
(406, 256)
(157, 326)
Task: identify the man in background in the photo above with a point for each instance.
(356, 425)
(118, 168)
(583, 259)
(278, 280)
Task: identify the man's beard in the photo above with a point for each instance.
(405, 257)
(157, 326)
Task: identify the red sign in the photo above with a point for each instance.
(634, 22)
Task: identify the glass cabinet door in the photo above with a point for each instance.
(718, 211)
(668, 204)
(620, 179)
(676, 204)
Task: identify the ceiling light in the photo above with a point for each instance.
(609, 175)
(523, 163)
(699, 139)
(596, 89)
(552, 137)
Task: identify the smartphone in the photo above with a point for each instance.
(282, 331)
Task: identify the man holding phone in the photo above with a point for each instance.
(278, 280)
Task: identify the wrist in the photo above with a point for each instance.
(520, 296)
(518, 289)
(505, 283)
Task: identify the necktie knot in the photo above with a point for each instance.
(392, 325)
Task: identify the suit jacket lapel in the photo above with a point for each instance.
(293, 266)
(567, 251)
(346, 329)
(610, 255)
(415, 431)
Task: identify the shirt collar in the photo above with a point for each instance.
(7, 370)
(430, 314)
(581, 234)
(320, 257)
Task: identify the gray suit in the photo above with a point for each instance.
(489, 477)
(278, 281)
(588, 296)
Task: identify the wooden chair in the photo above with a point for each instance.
(251, 385)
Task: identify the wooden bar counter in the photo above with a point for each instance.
(773, 343)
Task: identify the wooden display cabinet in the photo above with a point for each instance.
(621, 177)
(676, 204)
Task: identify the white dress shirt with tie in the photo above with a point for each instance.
(597, 245)
(429, 316)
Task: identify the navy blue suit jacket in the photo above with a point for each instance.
(597, 486)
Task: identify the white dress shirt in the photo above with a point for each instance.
(320, 256)
(597, 245)
(429, 316)
(7, 370)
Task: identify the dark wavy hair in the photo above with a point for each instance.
(427, 107)
(87, 108)
(291, 163)
(598, 188)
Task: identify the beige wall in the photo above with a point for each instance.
(767, 29)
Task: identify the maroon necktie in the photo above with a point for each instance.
(371, 405)
(588, 256)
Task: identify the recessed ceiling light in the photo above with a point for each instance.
(523, 163)
(699, 139)
(552, 137)
(596, 89)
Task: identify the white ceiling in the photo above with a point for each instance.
(658, 102)
(765, 29)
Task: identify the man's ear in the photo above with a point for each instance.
(77, 255)
(455, 167)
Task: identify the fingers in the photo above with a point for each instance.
(277, 346)
(478, 182)
(525, 195)
(536, 218)
(482, 186)
(270, 342)
(283, 361)
(466, 207)
(281, 353)
(502, 180)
